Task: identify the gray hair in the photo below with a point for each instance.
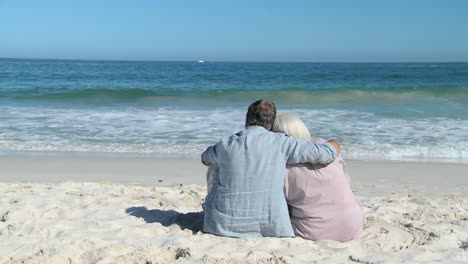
(292, 125)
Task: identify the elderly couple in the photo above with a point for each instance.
(271, 179)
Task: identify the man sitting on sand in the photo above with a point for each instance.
(247, 200)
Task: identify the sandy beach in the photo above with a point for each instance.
(109, 210)
(107, 108)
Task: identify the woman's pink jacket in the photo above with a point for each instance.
(321, 202)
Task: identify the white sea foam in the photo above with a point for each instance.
(172, 132)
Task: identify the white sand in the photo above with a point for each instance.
(417, 213)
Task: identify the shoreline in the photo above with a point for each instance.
(189, 156)
(148, 171)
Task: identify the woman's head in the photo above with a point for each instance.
(292, 125)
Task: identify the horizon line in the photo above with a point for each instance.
(224, 61)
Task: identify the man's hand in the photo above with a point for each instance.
(336, 145)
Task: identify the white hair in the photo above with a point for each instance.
(292, 125)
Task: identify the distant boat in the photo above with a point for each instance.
(201, 61)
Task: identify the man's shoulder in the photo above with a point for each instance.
(246, 133)
(280, 135)
(283, 137)
(229, 139)
(264, 135)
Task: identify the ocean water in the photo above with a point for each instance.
(379, 111)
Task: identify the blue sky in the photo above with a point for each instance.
(237, 30)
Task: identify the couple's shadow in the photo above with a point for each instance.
(192, 221)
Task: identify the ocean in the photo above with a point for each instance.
(378, 111)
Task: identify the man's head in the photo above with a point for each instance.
(261, 113)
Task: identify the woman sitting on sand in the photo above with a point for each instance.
(321, 202)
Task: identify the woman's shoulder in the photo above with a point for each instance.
(318, 140)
